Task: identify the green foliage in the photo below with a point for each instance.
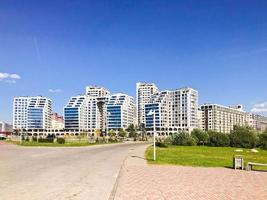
(161, 144)
(200, 136)
(132, 131)
(60, 140)
(112, 133)
(263, 140)
(217, 139)
(122, 133)
(243, 137)
(183, 139)
(46, 140)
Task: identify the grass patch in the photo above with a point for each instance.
(203, 156)
(67, 144)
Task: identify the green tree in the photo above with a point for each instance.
(217, 139)
(200, 136)
(243, 136)
(112, 133)
(132, 131)
(183, 138)
(122, 133)
(263, 140)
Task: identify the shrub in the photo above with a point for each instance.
(243, 137)
(161, 144)
(61, 140)
(200, 136)
(46, 140)
(183, 139)
(217, 139)
(34, 139)
(122, 133)
(263, 141)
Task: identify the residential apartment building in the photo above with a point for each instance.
(57, 122)
(221, 118)
(176, 110)
(120, 111)
(144, 92)
(32, 112)
(160, 103)
(257, 122)
(20, 112)
(87, 113)
(5, 127)
(96, 91)
(75, 113)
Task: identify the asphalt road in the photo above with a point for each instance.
(60, 173)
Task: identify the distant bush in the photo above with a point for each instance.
(262, 142)
(217, 139)
(34, 139)
(161, 144)
(200, 136)
(243, 137)
(46, 140)
(113, 140)
(61, 140)
(183, 139)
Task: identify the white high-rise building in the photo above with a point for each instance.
(32, 112)
(20, 112)
(87, 112)
(75, 113)
(120, 109)
(144, 91)
(175, 110)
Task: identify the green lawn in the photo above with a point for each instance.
(67, 144)
(203, 156)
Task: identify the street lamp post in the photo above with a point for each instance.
(152, 112)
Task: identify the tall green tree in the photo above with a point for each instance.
(132, 131)
(122, 133)
(200, 136)
(243, 136)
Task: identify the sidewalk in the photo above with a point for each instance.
(139, 181)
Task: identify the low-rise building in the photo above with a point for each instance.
(57, 122)
(257, 122)
(221, 118)
(5, 129)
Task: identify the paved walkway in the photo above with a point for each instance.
(138, 181)
(61, 173)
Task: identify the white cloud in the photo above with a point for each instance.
(54, 90)
(9, 78)
(260, 107)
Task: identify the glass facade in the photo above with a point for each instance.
(35, 118)
(71, 118)
(114, 117)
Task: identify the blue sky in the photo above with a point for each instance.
(56, 48)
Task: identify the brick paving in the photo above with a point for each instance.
(175, 182)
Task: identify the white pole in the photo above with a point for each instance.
(154, 122)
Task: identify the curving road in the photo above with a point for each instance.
(61, 173)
